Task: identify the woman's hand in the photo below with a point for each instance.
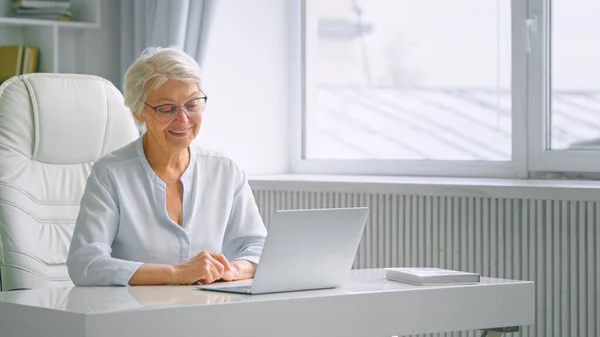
(205, 267)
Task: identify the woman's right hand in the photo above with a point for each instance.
(206, 267)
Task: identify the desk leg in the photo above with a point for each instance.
(497, 332)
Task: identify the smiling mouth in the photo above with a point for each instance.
(179, 133)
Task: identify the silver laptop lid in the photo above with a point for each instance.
(309, 249)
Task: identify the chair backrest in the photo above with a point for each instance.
(53, 127)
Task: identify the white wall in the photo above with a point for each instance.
(246, 79)
(94, 51)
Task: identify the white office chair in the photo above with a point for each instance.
(52, 129)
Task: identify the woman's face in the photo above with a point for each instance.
(175, 135)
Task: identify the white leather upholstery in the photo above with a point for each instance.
(52, 129)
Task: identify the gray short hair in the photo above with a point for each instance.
(152, 69)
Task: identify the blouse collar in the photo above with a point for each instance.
(146, 165)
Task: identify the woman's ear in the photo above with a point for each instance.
(138, 117)
(139, 123)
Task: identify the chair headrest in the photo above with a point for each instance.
(63, 118)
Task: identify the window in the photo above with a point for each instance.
(439, 87)
(564, 88)
(418, 84)
(575, 75)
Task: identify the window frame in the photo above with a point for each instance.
(301, 101)
(530, 107)
(541, 157)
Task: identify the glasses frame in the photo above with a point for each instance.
(178, 108)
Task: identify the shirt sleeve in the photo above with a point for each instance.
(245, 233)
(90, 262)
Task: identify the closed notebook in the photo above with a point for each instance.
(430, 276)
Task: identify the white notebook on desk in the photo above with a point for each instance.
(430, 276)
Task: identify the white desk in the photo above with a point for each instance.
(367, 305)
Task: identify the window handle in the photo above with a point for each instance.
(531, 27)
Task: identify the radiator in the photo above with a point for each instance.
(552, 242)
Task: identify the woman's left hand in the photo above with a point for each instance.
(206, 267)
(230, 271)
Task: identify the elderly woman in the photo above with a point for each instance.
(160, 210)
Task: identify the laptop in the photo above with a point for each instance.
(305, 250)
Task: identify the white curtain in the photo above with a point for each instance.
(181, 23)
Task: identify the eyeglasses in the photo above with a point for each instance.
(168, 112)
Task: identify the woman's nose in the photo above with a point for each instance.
(182, 116)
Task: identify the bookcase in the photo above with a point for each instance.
(47, 35)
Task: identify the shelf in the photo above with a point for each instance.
(49, 36)
(49, 23)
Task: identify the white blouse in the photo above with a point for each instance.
(123, 221)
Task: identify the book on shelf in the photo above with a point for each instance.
(430, 276)
(17, 60)
(41, 4)
(56, 17)
(11, 61)
(30, 60)
(42, 9)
